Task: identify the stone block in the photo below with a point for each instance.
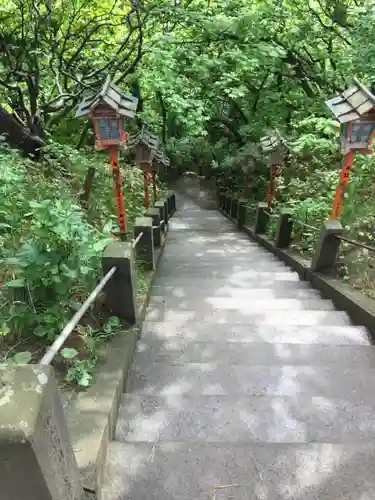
(163, 216)
(261, 218)
(154, 213)
(284, 229)
(327, 246)
(121, 289)
(145, 247)
(36, 458)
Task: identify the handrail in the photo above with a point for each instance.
(306, 225)
(355, 243)
(136, 241)
(67, 330)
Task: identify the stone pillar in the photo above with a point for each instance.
(36, 457)
(170, 205)
(173, 202)
(327, 247)
(234, 208)
(154, 213)
(145, 247)
(241, 219)
(284, 229)
(223, 202)
(166, 212)
(261, 218)
(120, 290)
(163, 216)
(228, 203)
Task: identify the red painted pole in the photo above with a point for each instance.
(117, 185)
(271, 186)
(154, 190)
(343, 182)
(145, 188)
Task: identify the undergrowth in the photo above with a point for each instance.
(50, 251)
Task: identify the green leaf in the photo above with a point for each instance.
(69, 353)
(85, 379)
(17, 283)
(22, 358)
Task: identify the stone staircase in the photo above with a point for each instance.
(246, 383)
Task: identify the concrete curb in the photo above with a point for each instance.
(359, 307)
(93, 414)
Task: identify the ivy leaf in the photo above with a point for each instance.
(69, 353)
(22, 358)
(17, 283)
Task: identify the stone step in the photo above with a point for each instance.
(223, 268)
(178, 350)
(279, 333)
(205, 471)
(247, 275)
(177, 319)
(172, 293)
(240, 419)
(160, 305)
(217, 378)
(264, 280)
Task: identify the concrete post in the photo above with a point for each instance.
(241, 219)
(261, 218)
(234, 208)
(36, 457)
(221, 199)
(223, 202)
(145, 247)
(166, 212)
(174, 202)
(154, 213)
(284, 229)
(170, 205)
(163, 216)
(121, 288)
(327, 247)
(228, 204)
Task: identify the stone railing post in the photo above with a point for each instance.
(154, 213)
(327, 246)
(36, 457)
(223, 202)
(228, 203)
(242, 214)
(170, 204)
(234, 208)
(261, 218)
(163, 215)
(120, 290)
(284, 229)
(174, 207)
(145, 247)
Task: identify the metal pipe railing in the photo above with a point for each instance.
(355, 243)
(136, 241)
(61, 339)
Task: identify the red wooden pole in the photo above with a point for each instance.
(343, 182)
(145, 187)
(117, 185)
(154, 186)
(271, 186)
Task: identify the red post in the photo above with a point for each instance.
(154, 186)
(271, 185)
(117, 185)
(145, 187)
(343, 182)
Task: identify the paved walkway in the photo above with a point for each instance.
(246, 383)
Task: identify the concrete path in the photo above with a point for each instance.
(246, 383)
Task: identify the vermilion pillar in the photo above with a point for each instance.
(271, 185)
(154, 188)
(343, 182)
(145, 187)
(117, 185)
